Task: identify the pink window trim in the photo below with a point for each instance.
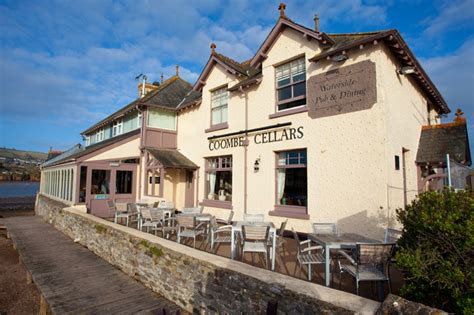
(287, 112)
(217, 204)
(295, 212)
(217, 127)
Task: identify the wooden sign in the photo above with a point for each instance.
(343, 90)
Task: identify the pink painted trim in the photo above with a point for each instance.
(287, 112)
(288, 214)
(216, 204)
(217, 127)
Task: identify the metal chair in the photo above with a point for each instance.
(391, 235)
(167, 226)
(371, 263)
(255, 239)
(151, 219)
(187, 227)
(229, 219)
(324, 228)
(219, 234)
(254, 217)
(280, 241)
(309, 255)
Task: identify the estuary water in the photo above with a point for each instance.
(18, 189)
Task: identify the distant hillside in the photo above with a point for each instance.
(23, 155)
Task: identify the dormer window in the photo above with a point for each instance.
(117, 127)
(291, 84)
(87, 141)
(219, 100)
(100, 135)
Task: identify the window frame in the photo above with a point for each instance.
(100, 135)
(117, 127)
(227, 204)
(290, 211)
(222, 124)
(297, 108)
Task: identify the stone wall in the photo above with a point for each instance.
(193, 279)
(394, 304)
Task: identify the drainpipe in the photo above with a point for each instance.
(245, 151)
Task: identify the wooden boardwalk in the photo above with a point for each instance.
(74, 280)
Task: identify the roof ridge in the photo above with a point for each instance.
(359, 33)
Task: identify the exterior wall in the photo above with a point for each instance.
(127, 150)
(406, 111)
(197, 281)
(346, 175)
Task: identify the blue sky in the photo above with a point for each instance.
(64, 65)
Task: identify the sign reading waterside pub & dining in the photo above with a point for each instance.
(344, 90)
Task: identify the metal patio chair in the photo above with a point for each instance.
(187, 227)
(255, 240)
(151, 219)
(371, 263)
(219, 234)
(229, 219)
(254, 217)
(309, 255)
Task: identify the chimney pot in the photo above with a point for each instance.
(177, 70)
(161, 78)
(213, 48)
(316, 23)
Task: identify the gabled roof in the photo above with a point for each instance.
(167, 96)
(231, 66)
(282, 23)
(438, 140)
(394, 41)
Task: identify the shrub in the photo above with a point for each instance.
(436, 250)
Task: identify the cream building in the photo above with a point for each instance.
(316, 127)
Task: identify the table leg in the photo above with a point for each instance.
(273, 251)
(232, 244)
(327, 265)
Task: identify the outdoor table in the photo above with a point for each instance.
(336, 241)
(237, 228)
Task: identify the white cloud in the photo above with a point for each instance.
(453, 15)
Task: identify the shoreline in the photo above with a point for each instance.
(17, 203)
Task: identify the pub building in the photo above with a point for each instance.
(315, 127)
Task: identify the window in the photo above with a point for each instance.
(291, 84)
(219, 99)
(87, 141)
(100, 182)
(161, 119)
(139, 119)
(117, 127)
(123, 182)
(100, 135)
(291, 177)
(219, 178)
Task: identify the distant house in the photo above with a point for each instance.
(315, 127)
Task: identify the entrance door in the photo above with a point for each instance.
(189, 193)
(109, 183)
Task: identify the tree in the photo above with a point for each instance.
(436, 250)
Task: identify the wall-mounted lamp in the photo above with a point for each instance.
(339, 58)
(256, 165)
(406, 70)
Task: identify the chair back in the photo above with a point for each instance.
(166, 204)
(132, 208)
(194, 210)
(281, 231)
(392, 235)
(111, 205)
(157, 215)
(373, 254)
(145, 213)
(255, 233)
(253, 217)
(186, 221)
(156, 204)
(213, 224)
(231, 216)
(324, 228)
(297, 240)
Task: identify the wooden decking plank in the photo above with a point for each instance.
(73, 279)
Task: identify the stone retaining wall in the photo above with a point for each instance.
(195, 280)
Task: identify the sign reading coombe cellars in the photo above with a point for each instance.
(258, 138)
(344, 90)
